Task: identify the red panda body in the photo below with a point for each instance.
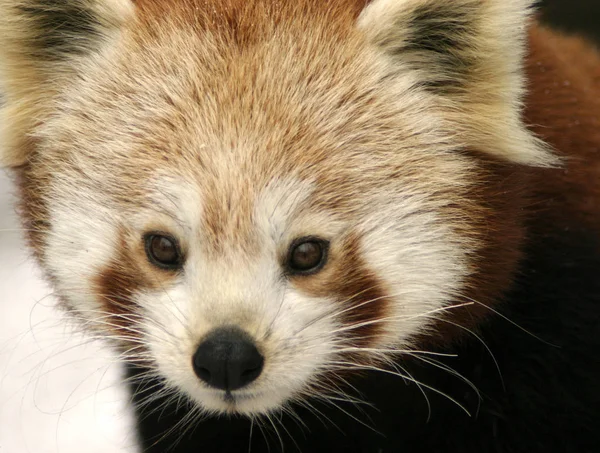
(353, 226)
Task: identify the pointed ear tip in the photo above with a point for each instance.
(540, 155)
(551, 160)
(545, 160)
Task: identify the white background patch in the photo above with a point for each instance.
(58, 390)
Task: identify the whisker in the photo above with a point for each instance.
(496, 364)
(268, 417)
(455, 373)
(514, 323)
(316, 412)
(411, 379)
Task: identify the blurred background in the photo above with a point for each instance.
(61, 393)
(575, 16)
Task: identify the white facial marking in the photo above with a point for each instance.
(419, 258)
(252, 295)
(82, 241)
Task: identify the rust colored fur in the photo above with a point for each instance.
(563, 108)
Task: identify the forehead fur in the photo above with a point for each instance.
(232, 96)
(233, 111)
(230, 13)
(464, 54)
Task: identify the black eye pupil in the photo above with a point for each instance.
(306, 256)
(163, 251)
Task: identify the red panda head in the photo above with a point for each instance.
(252, 198)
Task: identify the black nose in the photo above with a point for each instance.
(227, 359)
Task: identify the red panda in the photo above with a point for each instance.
(318, 225)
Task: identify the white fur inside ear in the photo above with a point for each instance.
(378, 13)
(81, 242)
(42, 45)
(469, 54)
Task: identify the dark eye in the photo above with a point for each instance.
(307, 255)
(163, 251)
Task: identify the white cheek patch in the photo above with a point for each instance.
(81, 242)
(167, 323)
(421, 260)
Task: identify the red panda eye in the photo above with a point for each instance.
(163, 251)
(307, 256)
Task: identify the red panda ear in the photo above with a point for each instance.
(469, 54)
(41, 44)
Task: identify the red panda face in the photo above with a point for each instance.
(252, 202)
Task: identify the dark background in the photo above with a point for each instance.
(582, 16)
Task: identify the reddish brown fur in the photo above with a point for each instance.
(563, 108)
(119, 281)
(497, 219)
(240, 16)
(242, 22)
